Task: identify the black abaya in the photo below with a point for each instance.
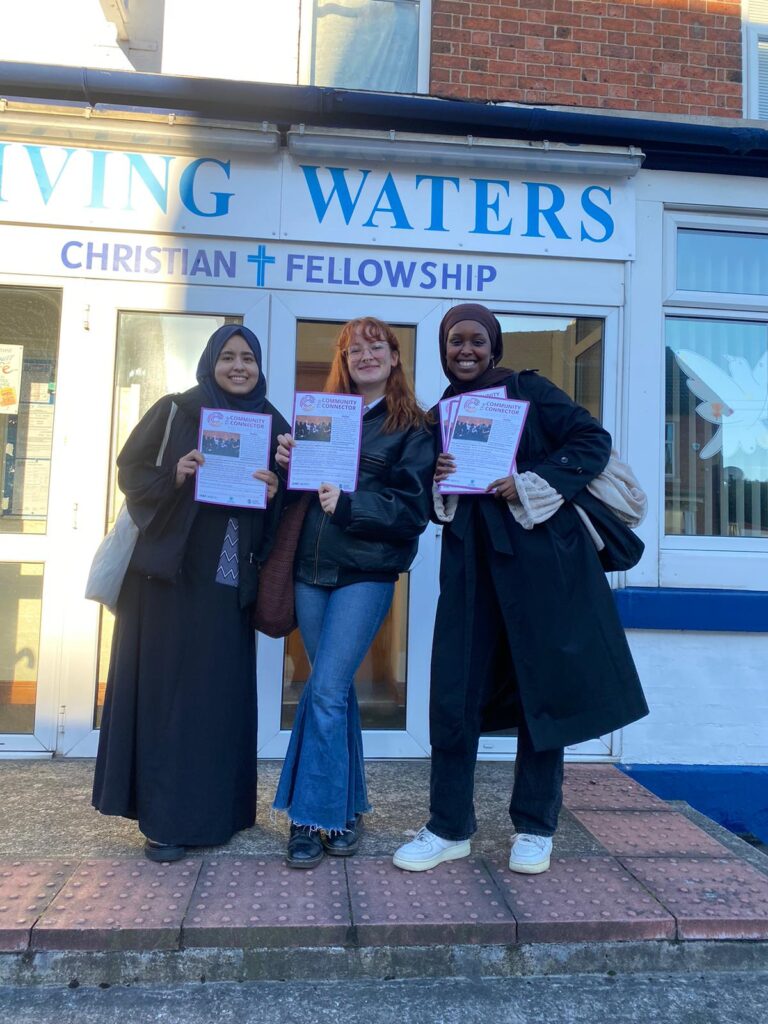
(177, 749)
(181, 686)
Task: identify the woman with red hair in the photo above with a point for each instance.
(352, 548)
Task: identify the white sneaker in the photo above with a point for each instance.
(530, 854)
(426, 850)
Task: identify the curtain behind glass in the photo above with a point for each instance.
(366, 44)
(762, 78)
(722, 261)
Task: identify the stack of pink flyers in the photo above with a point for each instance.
(481, 430)
(449, 408)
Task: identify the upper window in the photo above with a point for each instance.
(756, 59)
(363, 44)
(734, 262)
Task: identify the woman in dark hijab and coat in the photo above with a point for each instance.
(527, 633)
(177, 749)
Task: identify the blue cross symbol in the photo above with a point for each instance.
(261, 260)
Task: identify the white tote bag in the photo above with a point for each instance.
(110, 563)
(113, 555)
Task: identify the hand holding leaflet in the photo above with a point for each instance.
(484, 440)
(326, 435)
(234, 447)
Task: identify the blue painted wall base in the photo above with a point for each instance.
(735, 796)
(723, 611)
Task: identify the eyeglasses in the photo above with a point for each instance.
(355, 352)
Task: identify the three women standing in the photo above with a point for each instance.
(527, 632)
(351, 550)
(177, 749)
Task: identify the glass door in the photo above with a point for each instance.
(150, 339)
(576, 351)
(30, 330)
(156, 354)
(392, 683)
(381, 681)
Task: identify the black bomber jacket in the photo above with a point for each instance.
(374, 531)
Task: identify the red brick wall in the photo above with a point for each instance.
(662, 56)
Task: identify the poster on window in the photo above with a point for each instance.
(29, 499)
(10, 378)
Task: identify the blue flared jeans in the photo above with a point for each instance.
(322, 783)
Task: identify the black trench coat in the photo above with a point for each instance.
(566, 662)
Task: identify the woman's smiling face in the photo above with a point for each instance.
(236, 370)
(370, 361)
(468, 350)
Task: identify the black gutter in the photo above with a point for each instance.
(668, 145)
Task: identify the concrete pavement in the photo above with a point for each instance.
(636, 885)
(732, 998)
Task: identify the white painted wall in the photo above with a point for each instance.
(708, 692)
(249, 40)
(76, 33)
(708, 695)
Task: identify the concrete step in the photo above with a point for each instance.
(636, 884)
(732, 997)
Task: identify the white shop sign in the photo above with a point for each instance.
(284, 266)
(538, 215)
(216, 194)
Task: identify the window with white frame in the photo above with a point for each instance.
(378, 45)
(756, 58)
(716, 408)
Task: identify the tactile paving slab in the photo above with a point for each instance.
(711, 898)
(119, 904)
(605, 788)
(648, 834)
(26, 889)
(454, 902)
(583, 899)
(259, 901)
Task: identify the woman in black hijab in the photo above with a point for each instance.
(177, 750)
(526, 632)
(490, 374)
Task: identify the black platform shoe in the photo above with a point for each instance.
(163, 853)
(305, 848)
(344, 844)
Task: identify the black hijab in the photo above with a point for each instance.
(216, 397)
(483, 316)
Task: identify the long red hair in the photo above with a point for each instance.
(403, 410)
